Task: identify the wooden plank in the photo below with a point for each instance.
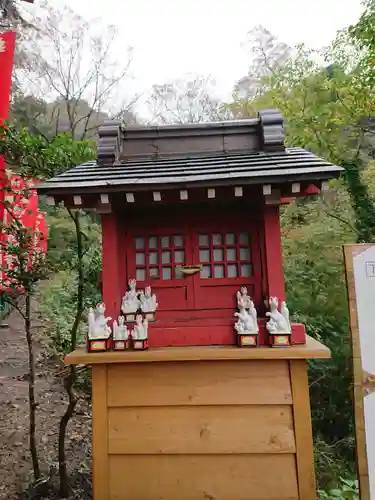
(312, 349)
(211, 193)
(238, 191)
(303, 431)
(192, 430)
(199, 383)
(267, 189)
(358, 376)
(104, 199)
(296, 187)
(205, 477)
(100, 433)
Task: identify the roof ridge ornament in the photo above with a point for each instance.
(272, 130)
(109, 147)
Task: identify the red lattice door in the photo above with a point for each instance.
(195, 268)
(230, 259)
(225, 258)
(156, 258)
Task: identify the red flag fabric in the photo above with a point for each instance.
(17, 199)
(7, 45)
(21, 203)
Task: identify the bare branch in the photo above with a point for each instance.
(186, 100)
(76, 69)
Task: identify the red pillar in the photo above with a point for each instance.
(111, 275)
(273, 252)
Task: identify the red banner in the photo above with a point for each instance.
(20, 203)
(7, 45)
(17, 199)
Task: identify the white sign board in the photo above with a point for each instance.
(360, 272)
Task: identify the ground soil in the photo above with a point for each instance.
(15, 460)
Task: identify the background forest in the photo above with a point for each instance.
(328, 100)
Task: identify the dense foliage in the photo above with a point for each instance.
(347, 490)
(315, 285)
(59, 297)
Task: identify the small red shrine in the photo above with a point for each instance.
(193, 211)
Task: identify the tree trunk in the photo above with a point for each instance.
(70, 380)
(32, 404)
(63, 470)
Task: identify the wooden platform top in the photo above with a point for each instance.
(312, 349)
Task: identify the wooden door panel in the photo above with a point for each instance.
(154, 258)
(229, 255)
(193, 477)
(192, 315)
(226, 248)
(186, 334)
(170, 297)
(214, 296)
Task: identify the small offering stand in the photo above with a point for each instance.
(202, 422)
(202, 389)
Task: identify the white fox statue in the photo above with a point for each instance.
(279, 321)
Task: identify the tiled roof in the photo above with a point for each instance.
(293, 164)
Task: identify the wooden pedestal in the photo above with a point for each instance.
(202, 422)
(280, 339)
(120, 345)
(98, 345)
(247, 339)
(140, 345)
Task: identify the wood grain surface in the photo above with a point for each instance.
(201, 430)
(312, 349)
(203, 477)
(199, 383)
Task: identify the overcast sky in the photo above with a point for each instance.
(173, 37)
